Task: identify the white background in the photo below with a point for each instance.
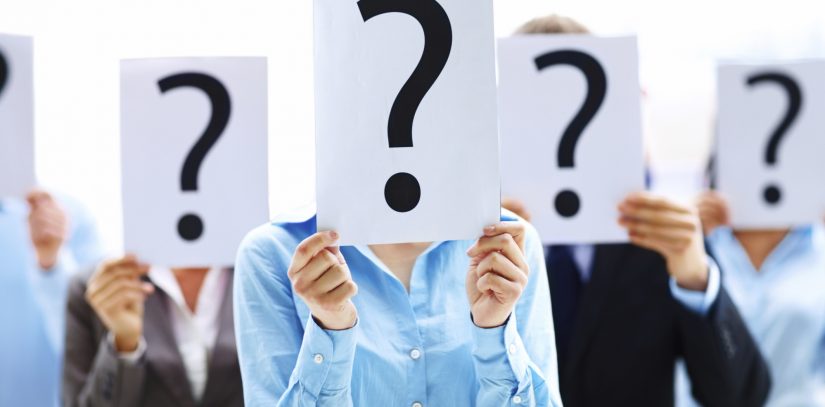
(748, 116)
(536, 108)
(159, 129)
(78, 44)
(455, 132)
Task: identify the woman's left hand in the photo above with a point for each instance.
(498, 273)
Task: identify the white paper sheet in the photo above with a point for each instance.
(16, 116)
(543, 89)
(166, 107)
(754, 101)
(360, 68)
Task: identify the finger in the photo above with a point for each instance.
(310, 247)
(659, 216)
(515, 229)
(329, 281)
(122, 299)
(304, 279)
(496, 263)
(648, 200)
(337, 252)
(666, 234)
(500, 286)
(341, 294)
(123, 273)
(37, 196)
(680, 222)
(660, 243)
(504, 244)
(115, 289)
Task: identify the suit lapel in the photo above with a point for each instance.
(607, 262)
(162, 353)
(223, 364)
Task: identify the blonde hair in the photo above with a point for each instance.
(553, 24)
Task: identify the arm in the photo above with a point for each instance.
(513, 361)
(283, 362)
(93, 372)
(63, 244)
(722, 360)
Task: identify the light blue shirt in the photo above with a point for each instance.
(783, 305)
(406, 348)
(32, 305)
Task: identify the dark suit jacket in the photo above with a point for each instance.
(94, 376)
(629, 332)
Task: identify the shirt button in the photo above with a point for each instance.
(517, 399)
(318, 358)
(417, 404)
(512, 349)
(415, 354)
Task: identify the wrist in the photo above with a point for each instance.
(46, 258)
(126, 343)
(694, 278)
(337, 321)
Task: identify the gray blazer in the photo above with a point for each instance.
(94, 376)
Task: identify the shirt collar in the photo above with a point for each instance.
(164, 279)
(369, 254)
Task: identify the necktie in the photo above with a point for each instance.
(565, 290)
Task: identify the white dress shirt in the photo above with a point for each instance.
(195, 332)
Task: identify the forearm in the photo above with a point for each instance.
(114, 380)
(323, 371)
(506, 376)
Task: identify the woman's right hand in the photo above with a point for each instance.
(320, 276)
(713, 211)
(116, 294)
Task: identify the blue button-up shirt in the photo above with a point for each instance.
(783, 305)
(32, 305)
(406, 348)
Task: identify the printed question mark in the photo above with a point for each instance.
(402, 191)
(772, 193)
(190, 226)
(567, 201)
(4, 73)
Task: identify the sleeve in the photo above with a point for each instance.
(93, 373)
(699, 302)
(81, 250)
(516, 363)
(723, 361)
(283, 362)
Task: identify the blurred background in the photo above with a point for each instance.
(78, 44)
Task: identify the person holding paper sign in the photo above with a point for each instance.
(151, 336)
(625, 313)
(453, 323)
(776, 277)
(42, 242)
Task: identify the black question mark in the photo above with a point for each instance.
(190, 226)
(4, 73)
(772, 193)
(567, 201)
(402, 191)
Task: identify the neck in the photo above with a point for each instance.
(400, 258)
(190, 281)
(759, 244)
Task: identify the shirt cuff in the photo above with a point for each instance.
(500, 356)
(698, 301)
(326, 358)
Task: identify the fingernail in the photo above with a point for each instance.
(490, 229)
(333, 234)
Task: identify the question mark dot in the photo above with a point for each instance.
(402, 192)
(772, 194)
(567, 203)
(190, 227)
